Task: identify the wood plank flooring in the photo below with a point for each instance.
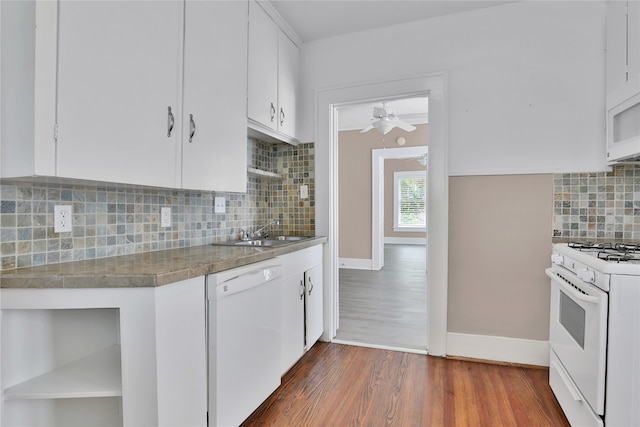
(386, 307)
(341, 385)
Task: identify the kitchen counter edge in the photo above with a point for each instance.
(148, 269)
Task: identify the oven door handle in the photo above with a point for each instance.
(575, 294)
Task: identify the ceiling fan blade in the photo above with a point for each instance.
(367, 129)
(404, 126)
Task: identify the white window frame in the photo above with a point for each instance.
(397, 176)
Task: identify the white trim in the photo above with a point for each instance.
(405, 241)
(326, 137)
(501, 349)
(355, 263)
(409, 229)
(378, 157)
(381, 347)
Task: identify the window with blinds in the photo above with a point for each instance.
(410, 193)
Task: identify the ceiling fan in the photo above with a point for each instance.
(385, 119)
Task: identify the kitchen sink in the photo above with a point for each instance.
(258, 242)
(264, 242)
(286, 238)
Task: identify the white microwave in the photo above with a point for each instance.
(623, 130)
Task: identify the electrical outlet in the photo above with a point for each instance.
(219, 205)
(62, 218)
(165, 217)
(304, 191)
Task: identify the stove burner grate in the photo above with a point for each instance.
(612, 252)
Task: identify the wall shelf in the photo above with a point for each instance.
(263, 174)
(97, 375)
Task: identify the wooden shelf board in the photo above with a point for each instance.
(97, 375)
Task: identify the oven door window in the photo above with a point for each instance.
(572, 318)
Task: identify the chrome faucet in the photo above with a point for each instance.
(258, 233)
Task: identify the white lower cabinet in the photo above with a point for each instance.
(103, 357)
(293, 293)
(302, 303)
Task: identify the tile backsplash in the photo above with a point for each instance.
(110, 220)
(598, 205)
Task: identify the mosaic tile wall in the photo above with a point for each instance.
(598, 205)
(115, 220)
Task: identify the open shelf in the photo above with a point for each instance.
(263, 174)
(97, 375)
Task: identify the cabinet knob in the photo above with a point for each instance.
(301, 289)
(281, 116)
(310, 285)
(273, 112)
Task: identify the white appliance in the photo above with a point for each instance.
(623, 130)
(243, 340)
(594, 333)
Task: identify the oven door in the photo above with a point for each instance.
(578, 333)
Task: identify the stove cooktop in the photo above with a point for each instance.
(611, 252)
(608, 258)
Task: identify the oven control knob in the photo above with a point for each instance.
(589, 276)
(557, 259)
(586, 275)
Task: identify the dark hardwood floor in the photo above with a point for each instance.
(341, 385)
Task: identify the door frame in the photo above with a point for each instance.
(378, 156)
(326, 150)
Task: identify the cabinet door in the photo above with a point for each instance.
(118, 72)
(181, 353)
(263, 68)
(623, 51)
(288, 70)
(292, 320)
(313, 305)
(215, 87)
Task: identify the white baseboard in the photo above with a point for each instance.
(501, 349)
(355, 263)
(405, 240)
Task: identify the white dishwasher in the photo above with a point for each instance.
(244, 339)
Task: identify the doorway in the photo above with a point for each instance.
(382, 158)
(327, 102)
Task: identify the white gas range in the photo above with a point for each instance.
(594, 333)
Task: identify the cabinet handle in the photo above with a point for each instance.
(170, 122)
(273, 112)
(281, 116)
(192, 127)
(301, 289)
(310, 287)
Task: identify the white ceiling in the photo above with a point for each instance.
(411, 110)
(319, 19)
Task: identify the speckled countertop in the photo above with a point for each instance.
(147, 269)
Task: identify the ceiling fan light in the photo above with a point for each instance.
(383, 125)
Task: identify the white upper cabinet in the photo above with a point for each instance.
(108, 86)
(214, 126)
(288, 72)
(623, 51)
(118, 75)
(273, 78)
(263, 68)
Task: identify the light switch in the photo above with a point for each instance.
(219, 205)
(304, 191)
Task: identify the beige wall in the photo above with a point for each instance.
(494, 219)
(391, 166)
(354, 184)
